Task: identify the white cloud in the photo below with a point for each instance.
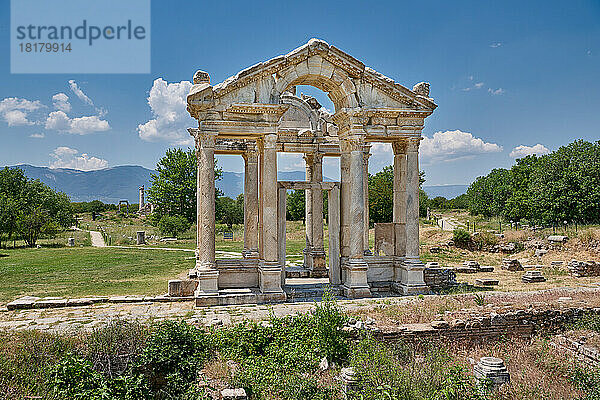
(59, 121)
(60, 101)
(15, 111)
(496, 92)
(496, 45)
(66, 157)
(171, 120)
(79, 93)
(37, 135)
(454, 145)
(477, 85)
(524, 151)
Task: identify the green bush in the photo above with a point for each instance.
(484, 240)
(461, 238)
(172, 357)
(173, 225)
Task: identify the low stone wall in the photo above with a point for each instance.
(584, 268)
(585, 354)
(519, 323)
(439, 278)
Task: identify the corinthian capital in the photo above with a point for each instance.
(413, 144)
(399, 147)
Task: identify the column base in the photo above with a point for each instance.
(270, 277)
(411, 277)
(207, 282)
(355, 279)
(250, 253)
(307, 259)
(318, 264)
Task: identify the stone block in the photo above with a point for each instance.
(511, 264)
(182, 287)
(557, 238)
(533, 276)
(141, 237)
(50, 303)
(486, 282)
(233, 394)
(349, 381)
(23, 303)
(492, 370)
(486, 268)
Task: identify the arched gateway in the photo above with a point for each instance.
(256, 114)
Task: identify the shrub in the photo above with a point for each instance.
(172, 357)
(74, 378)
(461, 238)
(485, 240)
(173, 225)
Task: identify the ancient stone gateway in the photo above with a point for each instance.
(256, 114)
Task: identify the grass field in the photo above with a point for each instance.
(79, 272)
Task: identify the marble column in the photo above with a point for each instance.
(366, 156)
(251, 205)
(205, 270)
(308, 212)
(269, 267)
(333, 211)
(355, 276)
(344, 202)
(412, 276)
(399, 211)
(319, 268)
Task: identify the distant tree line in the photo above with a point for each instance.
(550, 189)
(29, 209)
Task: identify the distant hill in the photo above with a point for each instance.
(447, 191)
(121, 183)
(108, 185)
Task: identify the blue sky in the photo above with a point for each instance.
(504, 74)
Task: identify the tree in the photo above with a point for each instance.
(381, 195)
(173, 225)
(296, 205)
(173, 187)
(230, 211)
(42, 211)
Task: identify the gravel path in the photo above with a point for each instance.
(97, 239)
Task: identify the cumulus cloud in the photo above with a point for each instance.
(15, 111)
(170, 118)
(60, 121)
(496, 45)
(60, 101)
(37, 135)
(454, 145)
(524, 151)
(474, 86)
(79, 93)
(66, 157)
(496, 92)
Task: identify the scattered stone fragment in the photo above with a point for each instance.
(540, 252)
(486, 268)
(324, 364)
(349, 380)
(533, 276)
(557, 238)
(584, 268)
(233, 394)
(486, 282)
(493, 370)
(441, 324)
(511, 264)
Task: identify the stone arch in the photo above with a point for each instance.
(321, 74)
(312, 115)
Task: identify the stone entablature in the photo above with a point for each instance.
(257, 112)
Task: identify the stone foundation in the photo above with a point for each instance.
(584, 268)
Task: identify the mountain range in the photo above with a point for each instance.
(110, 185)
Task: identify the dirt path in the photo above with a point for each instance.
(97, 239)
